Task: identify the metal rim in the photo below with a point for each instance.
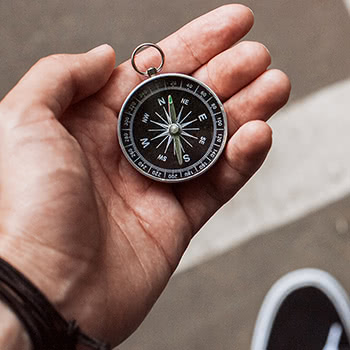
(143, 47)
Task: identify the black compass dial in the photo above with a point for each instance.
(172, 128)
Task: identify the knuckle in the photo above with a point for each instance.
(49, 59)
(55, 60)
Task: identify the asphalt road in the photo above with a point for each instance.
(307, 39)
(214, 305)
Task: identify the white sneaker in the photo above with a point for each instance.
(306, 309)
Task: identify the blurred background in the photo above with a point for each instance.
(294, 213)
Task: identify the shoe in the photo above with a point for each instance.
(306, 309)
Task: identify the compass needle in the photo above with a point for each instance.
(178, 149)
(172, 111)
(182, 148)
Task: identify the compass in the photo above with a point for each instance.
(172, 127)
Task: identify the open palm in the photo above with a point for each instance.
(99, 238)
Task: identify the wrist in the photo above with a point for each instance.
(57, 279)
(46, 327)
(13, 335)
(44, 268)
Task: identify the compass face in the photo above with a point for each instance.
(172, 128)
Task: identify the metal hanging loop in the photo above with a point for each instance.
(152, 70)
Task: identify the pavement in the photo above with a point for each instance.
(296, 210)
(214, 304)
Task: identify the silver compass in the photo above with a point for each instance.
(172, 127)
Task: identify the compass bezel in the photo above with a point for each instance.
(165, 170)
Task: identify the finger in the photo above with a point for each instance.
(244, 154)
(235, 68)
(259, 100)
(59, 80)
(186, 50)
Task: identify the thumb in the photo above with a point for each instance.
(56, 81)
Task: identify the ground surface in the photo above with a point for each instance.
(213, 301)
(214, 305)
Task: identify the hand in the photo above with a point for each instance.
(99, 239)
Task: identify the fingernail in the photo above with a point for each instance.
(98, 49)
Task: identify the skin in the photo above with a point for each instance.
(99, 239)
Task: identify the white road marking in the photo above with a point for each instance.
(308, 167)
(347, 5)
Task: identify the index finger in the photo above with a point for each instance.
(186, 50)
